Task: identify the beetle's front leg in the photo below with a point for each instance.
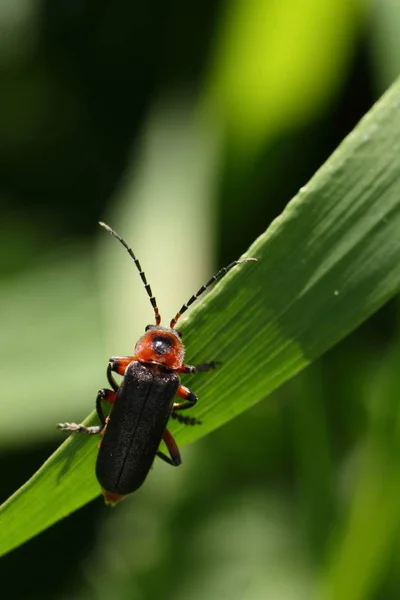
(202, 368)
(117, 364)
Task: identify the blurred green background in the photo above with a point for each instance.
(188, 127)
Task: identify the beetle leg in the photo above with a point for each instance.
(104, 396)
(174, 457)
(118, 364)
(78, 428)
(209, 366)
(111, 379)
(184, 392)
(191, 399)
(202, 368)
(186, 420)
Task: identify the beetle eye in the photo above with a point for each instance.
(179, 333)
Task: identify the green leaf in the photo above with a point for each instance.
(325, 265)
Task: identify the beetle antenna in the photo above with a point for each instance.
(203, 288)
(139, 268)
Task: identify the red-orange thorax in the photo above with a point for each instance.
(160, 345)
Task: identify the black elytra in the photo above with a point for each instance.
(134, 431)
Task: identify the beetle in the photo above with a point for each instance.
(144, 402)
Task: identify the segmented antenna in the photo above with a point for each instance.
(203, 288)
(141, 272)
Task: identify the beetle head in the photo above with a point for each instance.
(160, 345)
